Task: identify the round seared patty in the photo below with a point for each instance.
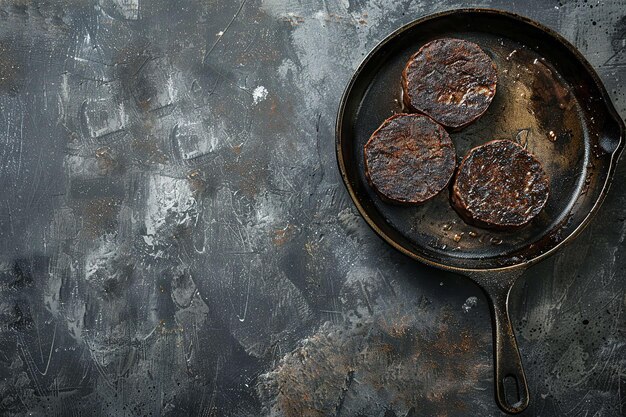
(499, 185)
(451, 80)
(409, 159)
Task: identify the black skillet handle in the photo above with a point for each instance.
(510, 381)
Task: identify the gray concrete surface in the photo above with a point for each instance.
(175, 239)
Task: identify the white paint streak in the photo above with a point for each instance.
(170, 203)
(259, 94)
(98, 261)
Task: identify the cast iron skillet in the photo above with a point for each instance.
(549, 99)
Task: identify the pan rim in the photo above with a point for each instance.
(614, 156)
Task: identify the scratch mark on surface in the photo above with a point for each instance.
(99, 367)
(219, 38)
(30, 364)
(54, 336)
(9, 213)
(19, 162)
(245, 309)
(379, 272)
(366, 297)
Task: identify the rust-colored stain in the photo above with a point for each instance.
(293, 19)
(196, 180)
(273, 110)
(459, 405)
(465, 345)
(393, 354)
(164, 330)
(144, 104)
(148, 151)
(100, 215)
(311, 248)
(386, 348)
(309, 378)
(237, 149)
(282, 236)
(399, 327)
(106, 163)
(247, 173)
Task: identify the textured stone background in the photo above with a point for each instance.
(175, 239)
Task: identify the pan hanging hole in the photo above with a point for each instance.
(511, 391)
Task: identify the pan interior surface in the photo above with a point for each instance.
(547, 99)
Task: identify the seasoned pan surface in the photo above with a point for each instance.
(548, 99)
